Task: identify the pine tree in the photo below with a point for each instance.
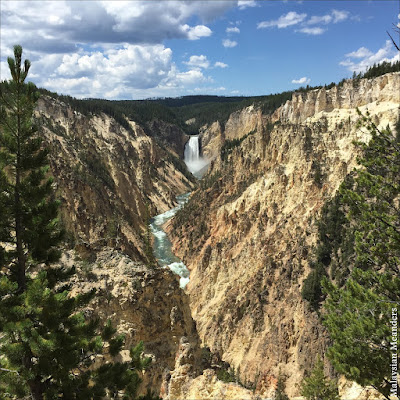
(358, 315)
(317, 386)
(30, 221)
(280, 389)
(47, 347)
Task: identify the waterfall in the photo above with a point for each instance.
(192, 150)
(194, 161)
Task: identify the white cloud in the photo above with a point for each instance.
(198, 62)
(294, 18)
(197, 32)
(229, 43)
(133, 71)
(55, 20)
(243, 4)
(80, 87)
(4, 71)
(339, 15)
(108, 48)
(47, 26)
(323, 19)
(233, 29)
(302, 81)
(312, 31)
(335, 16)
(361, 59)
(220, 64)
(188, 78)
(134, 66)
(209, 89)
(362, 52)
(291, 18)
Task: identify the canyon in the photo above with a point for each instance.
(246, 233)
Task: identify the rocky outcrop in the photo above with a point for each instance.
(352, 94)
(169, 134)
(187, 381)
(247, 235)
(242, 122)
(379, 95)
(239, 124)
(110, 180)
(145, 304)
(212, 138)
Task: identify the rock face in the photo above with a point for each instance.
(246, 236)
(110, 180)
(193, 378)
(212, 139)
(352, 94)
(169, 134)
(145, 304)
(242, 122)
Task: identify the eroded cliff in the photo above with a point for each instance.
(144, 304)
(247, 234)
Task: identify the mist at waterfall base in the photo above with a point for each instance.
(195, 163)
(162, 245)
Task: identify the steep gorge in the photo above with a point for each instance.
(248, 232)
(110, 180)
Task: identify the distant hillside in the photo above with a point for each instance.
(204, 109)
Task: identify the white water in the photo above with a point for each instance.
(162, 245)
(193, 160)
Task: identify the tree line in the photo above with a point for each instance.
(202, 108)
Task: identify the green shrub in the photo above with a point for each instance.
(317, 386)
(312, 288)
(280, 389)
(226, 375)
(318, 176)
(229, 145)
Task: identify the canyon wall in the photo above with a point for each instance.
(247, 234)
(144, 304)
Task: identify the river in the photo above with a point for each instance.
(162, 245)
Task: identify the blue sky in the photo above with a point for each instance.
(141, 49)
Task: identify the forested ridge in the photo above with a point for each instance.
(204, 109)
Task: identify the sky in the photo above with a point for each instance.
(153, 48)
